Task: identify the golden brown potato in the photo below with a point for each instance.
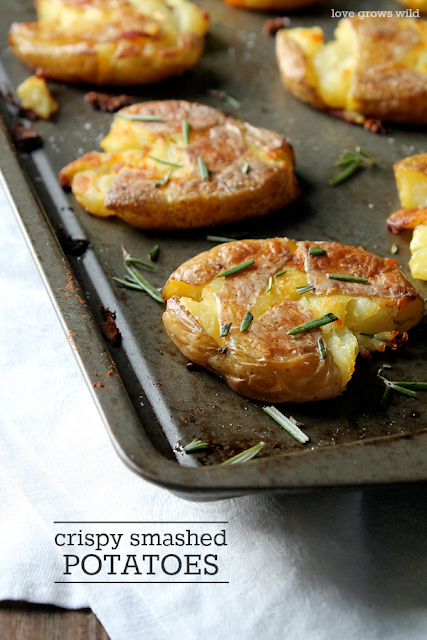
(375, 68)
(415, 5)
(151, 176)
(34, 94)
(411, 178)
(272, 5)
(104, 42)
(264, 362)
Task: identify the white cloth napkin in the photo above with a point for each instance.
(329, 566)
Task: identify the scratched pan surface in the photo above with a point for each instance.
(149, 401)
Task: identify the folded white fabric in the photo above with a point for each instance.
(307, 567)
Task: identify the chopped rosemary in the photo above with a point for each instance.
(352, 161)
(143, 117)
(164, 180)
(246, 455)
(236, 269)
(246, 322)
(304, 288)
(287, 424)
(226, 97)
(154, 253)
(365, 333)
(313, 324)
(219, 239)
(322, 348)
(225, 329)
(194, 445)
(405, 388)
(386, 366)
(340, 276)
(270, 284)
(280, 273)
(186, 131)
(171, 164)
(316, 251)
(245, 168)
(394, 249)
(204, 171)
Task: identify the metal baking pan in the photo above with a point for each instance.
(149, 401)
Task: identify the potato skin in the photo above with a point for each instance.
(384, 85)
(187, 201)
(124, 47)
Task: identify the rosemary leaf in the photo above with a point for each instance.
(316, 251)
(219, 239)
(225, 329)
(194, 445)
(204, 171)
(246, 455)
(386, 366)
(386, 397)
(143, 282)
(164, 180)
(154, 253)
(270, 284)
(170, 164)
(280, 273)
(186, 131)
(287, 424)
(236, 269)
(345, 173)
(313, 324)
(143, 117)
(403, 390)
(340, 276)
(226, 97)
(394, 249)
(322, 348)
(245, 168)
(129, 285)
(304, 289)
(246, 322)
(420, 386)
(129, 260)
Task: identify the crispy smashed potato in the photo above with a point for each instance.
(34, 94)
(151, 175)
(272, 5)
(375, 68)
(421, 5)
(411, 178)
(114, 43)
(264, 362)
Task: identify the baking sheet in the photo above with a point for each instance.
(151, 402)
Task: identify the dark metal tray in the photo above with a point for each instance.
(149, 401)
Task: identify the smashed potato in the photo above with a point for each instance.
(261, 360)
(411, 178)
(272, 5)
(375, 68)
(156, 175)
(114, 43)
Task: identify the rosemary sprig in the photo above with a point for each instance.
(143, 117)
(195, 445)
(313, 324)
(225, 329)
(316, 251)
(245, 167)
(164, 180)
(405, 388)
(340, 276)
(154, 253)
(280, 273)
(170, 164)
(246, 455)
(287, 424)
(352, 161)
(236, 269)
(204, 171)
(129, 260)
(186, 131)
(269, 285)
(304, 288)
(322, 348)
(246, 322)
(145, 285)
(219, 239)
